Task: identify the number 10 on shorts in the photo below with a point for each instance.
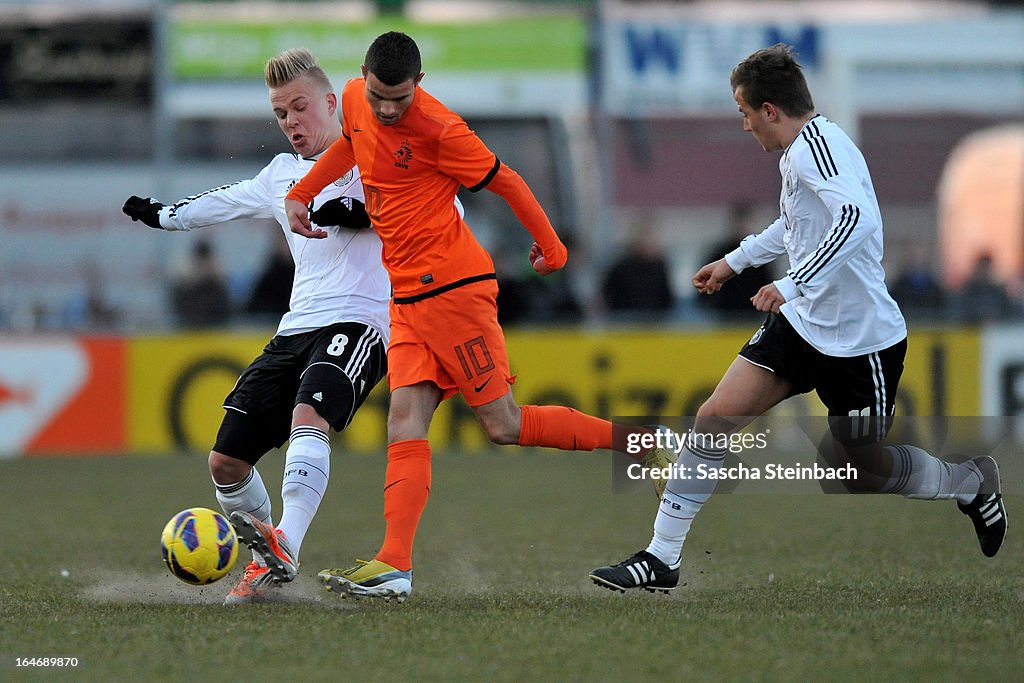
(474, 357)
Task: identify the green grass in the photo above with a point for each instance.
(778, 587)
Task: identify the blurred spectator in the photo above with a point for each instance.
(733, 300)
(637, 284)
(199, 292)
(89, 308)
(982, 298)
(525, 297)
(273, 290)
(916, 288)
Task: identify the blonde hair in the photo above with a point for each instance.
(292, 64)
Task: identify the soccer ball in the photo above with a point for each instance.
(199, 546)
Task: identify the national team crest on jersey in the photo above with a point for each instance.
(344, 180)
(403, 155)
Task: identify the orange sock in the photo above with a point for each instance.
(406, 488)
(565, 428)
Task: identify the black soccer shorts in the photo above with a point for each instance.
(859, 391)
(332, 369)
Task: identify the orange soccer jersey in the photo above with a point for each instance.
(411, 171)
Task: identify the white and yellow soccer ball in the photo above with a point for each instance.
(199, 546)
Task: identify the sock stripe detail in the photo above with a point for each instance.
(905, 467)
(310, 432)
(232, 488)
(703, 452)
(257, 508)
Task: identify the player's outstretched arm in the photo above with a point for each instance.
(548, 254)
(709, 279)
(146, 210)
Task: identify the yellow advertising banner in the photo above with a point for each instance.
(178, 383)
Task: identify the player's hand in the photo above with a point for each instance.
(710, 278)
(298, 220)
(768, 299)
(146, 210)
(344, 212)
(538, 262)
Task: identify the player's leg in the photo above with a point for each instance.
(461, 329)
(860, 394)
(406, 490)
(418, 384)
(240, 490)
(772, 366)
(342, 364)
(255, 421)
(744, 392)
(408, 476)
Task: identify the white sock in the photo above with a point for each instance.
(683, 499)
(916, 474)
(307, 468)
(248, 495)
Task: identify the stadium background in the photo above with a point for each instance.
(619, 115)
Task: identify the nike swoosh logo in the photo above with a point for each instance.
(480, 388)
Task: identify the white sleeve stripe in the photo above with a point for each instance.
(820, 151)
(823, 254)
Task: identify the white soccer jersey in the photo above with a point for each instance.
(339, 278)
(831, 227)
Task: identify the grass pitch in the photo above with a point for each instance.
(778, 587)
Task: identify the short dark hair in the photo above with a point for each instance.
(393, 58)
(773, 75)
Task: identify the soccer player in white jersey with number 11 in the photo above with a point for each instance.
(330, 347)
(831, 327)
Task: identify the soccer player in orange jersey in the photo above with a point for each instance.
(414, 154)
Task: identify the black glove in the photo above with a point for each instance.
(343, 212)
(146, 210)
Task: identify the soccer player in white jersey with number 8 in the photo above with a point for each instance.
(329, 350)
(831, 327)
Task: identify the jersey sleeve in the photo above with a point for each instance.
(834, 175)
(243, 199)
(759, 249)
(464, 156)
(510, 186)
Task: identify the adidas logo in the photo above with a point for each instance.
(318, 396)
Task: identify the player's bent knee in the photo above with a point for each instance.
(227, 470)
(307, 415)
(500, 429)
(502, 435)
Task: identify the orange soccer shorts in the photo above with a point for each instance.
(453, 340)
